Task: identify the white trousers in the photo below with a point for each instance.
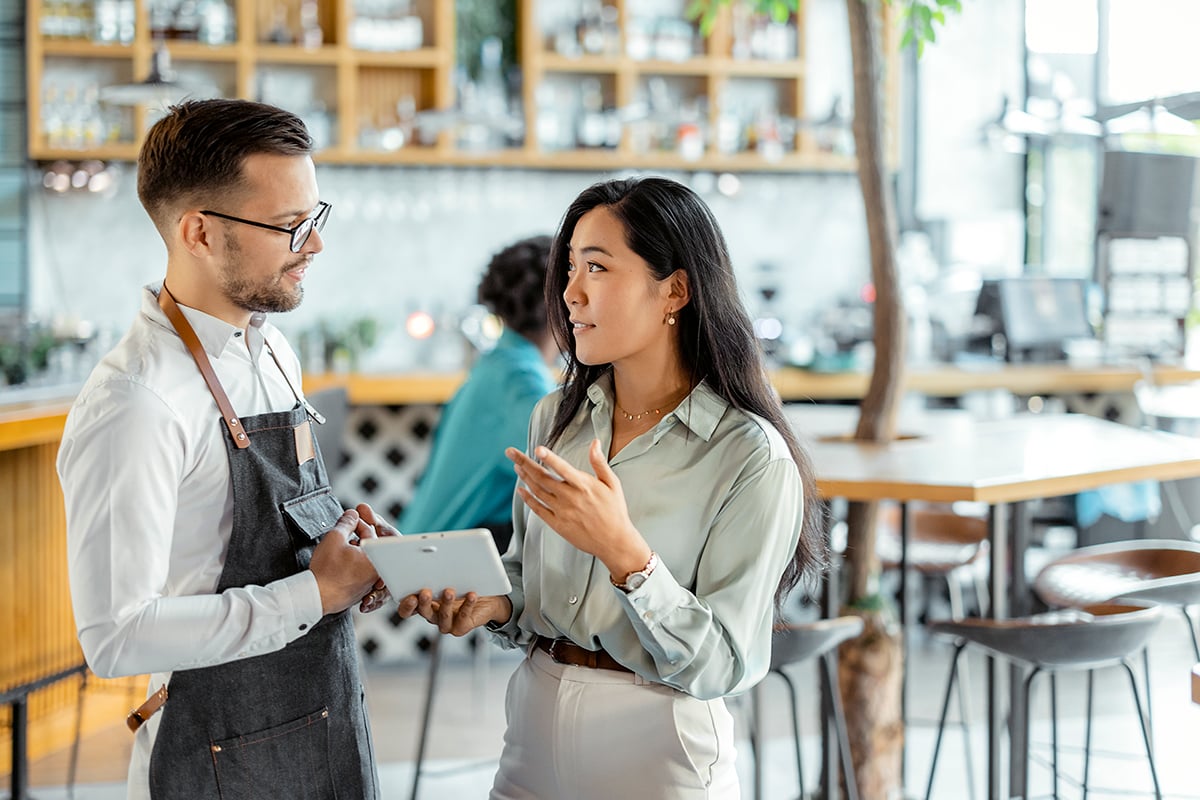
(576, 733)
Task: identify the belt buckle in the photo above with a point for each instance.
(552, 651)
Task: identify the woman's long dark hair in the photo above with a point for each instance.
(671, 228)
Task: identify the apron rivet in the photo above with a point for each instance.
(216, 748)
(325, 713)
(241, 436)
(233, 421)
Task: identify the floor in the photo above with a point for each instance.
(466, 735)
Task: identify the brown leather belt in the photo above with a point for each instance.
(564, 651)
(146, 710)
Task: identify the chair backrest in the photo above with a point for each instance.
(800, 641)
(334, 404)
(1090, 637)
(1144, 571)
(938, 541)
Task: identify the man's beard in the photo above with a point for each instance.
(270, 296)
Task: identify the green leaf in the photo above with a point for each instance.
(907, 39)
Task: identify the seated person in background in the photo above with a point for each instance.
(469, 481)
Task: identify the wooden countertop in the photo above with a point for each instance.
(31, 422)
(997, 461)
(798, 384)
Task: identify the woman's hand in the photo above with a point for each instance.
(588, 511)
(454, 616)
(371, 524)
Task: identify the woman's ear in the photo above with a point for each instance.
(679, 289)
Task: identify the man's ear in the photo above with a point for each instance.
(195, 232)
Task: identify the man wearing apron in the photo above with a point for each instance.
(205, 545)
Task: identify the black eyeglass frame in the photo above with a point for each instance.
(299, 233)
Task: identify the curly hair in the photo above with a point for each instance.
(513, 285)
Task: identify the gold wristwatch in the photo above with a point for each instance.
(636, 578)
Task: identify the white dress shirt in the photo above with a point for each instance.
(149, 504)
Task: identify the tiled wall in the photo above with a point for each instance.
(400, 239)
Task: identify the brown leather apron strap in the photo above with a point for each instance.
(167, 302)
(146, 710)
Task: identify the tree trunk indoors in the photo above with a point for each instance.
(871, 665)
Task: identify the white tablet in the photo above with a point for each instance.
(465, 561)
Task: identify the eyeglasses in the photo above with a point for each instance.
(299, 234)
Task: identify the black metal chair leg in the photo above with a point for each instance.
(1024, 762)
(1145, 733)
(793, 699)
(829, 670)
(937, 743)
(1054, 730)
(1087, 735)
(427, 715)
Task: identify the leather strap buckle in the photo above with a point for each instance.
(146, 710)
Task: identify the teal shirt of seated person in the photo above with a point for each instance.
(469, 481)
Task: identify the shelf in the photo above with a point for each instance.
(364, 87)
(425, 58)
(85, 48)
(326, 55)
(183, 50)
(109, 152)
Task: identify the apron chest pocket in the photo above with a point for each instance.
(314, 513)
(289, 760)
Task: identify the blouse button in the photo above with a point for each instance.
(573, 599)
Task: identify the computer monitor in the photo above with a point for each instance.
(1036, 315)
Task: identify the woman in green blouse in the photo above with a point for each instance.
(664, 511)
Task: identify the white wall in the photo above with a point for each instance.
(403, 238)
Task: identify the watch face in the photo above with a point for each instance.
(635, 580)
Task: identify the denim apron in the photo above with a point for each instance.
(290, 723)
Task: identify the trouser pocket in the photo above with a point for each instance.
(289, 760)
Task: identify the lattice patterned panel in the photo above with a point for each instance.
(384, 453)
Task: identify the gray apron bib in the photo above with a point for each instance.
(291, 723)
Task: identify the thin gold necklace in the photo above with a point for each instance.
(636, 417)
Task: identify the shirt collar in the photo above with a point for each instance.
(700, 411)
(215, 335)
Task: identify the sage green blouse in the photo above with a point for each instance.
(716, 494)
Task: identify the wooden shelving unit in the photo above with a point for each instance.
(362, 89)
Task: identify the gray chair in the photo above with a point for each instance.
(1074, 640)
(1160, 571)
(791, 644)
(334, 405)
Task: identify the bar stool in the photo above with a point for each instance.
(791, 644)
(941, 545)
(1159, 571)
(1074, 640)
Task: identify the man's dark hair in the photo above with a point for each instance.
(513, 286)
(194, 154)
